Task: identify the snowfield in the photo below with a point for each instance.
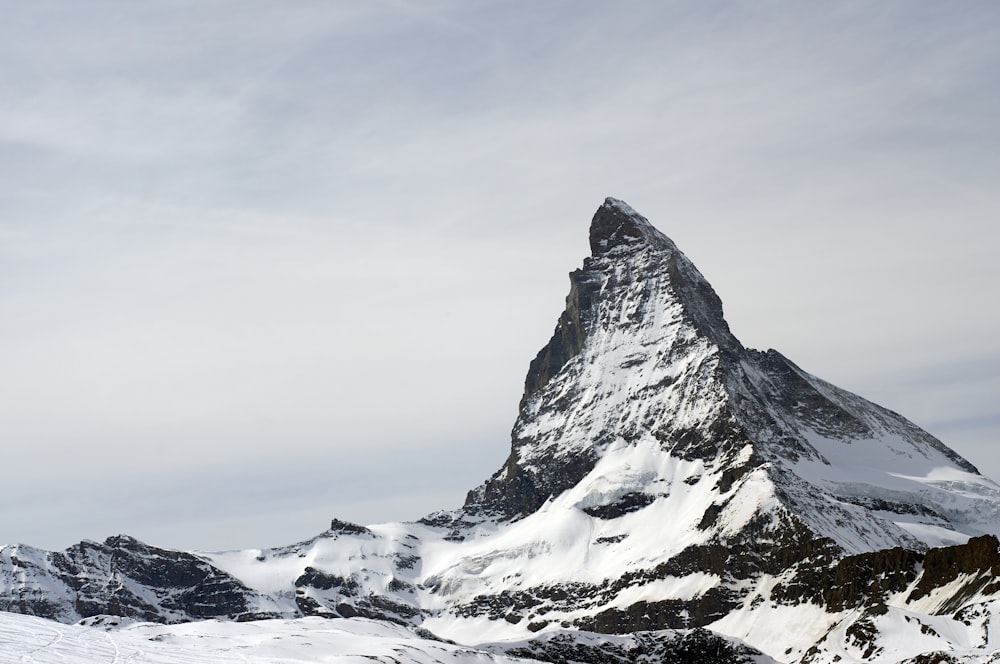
(314, 640)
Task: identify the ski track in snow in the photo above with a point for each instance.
(117, 652)
(31, 640)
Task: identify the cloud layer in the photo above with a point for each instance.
(251, 253)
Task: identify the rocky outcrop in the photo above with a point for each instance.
(643, 647)
(119, 577)
(970, 569)
(853, 582)
(868, 580)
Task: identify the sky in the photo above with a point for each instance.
(266, 263)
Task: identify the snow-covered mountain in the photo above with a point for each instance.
(661, 477)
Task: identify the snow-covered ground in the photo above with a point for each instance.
(315, 640)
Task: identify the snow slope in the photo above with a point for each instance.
(306, 640)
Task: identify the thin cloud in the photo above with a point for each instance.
(251, 232)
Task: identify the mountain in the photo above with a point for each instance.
(663, 480)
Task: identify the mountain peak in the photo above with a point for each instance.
(616, 224)
(618, 231)
(642, 355)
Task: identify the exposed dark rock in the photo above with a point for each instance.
(398, 585)
(671, 613)
(615, 225)
(124, 577)
(406, 562)
(645, 647)
(852, 582)
(319, 593)
(383, 608)
(882, 505)
(348, 528)
(862, 634)
(711, 516)
(630, 502)
(979, 559)
(514, 492)
(314, 578)
(937, 657)
(570, 333)
(765, 551)
(346, 611)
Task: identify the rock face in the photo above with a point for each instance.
(644, 413)
(661, 477)
(119, 577)
(643, 353)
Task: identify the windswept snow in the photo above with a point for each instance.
(306, 640)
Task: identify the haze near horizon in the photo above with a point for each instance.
(263, 266)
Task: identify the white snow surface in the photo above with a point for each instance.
(558, 544)
(306, 640)
(902, 634)
(788, 633)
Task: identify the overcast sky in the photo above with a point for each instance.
(264, 263)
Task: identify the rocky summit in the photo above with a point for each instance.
(669, 495)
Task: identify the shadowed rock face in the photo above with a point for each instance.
(852, 582)
(634, 271)
(617, 226)
(977, 561)
(619, 234)
(697, 646)
(570, 334)
(120, 577)
(868, 579)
